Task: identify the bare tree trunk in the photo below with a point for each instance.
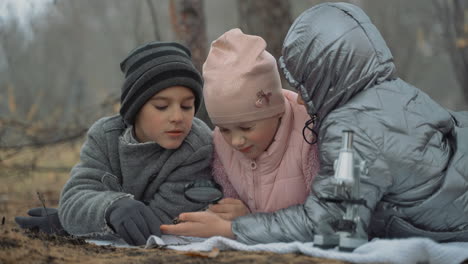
(269, 19)
(453, 15)
(154, 18)
(188, 23)
(402, 40)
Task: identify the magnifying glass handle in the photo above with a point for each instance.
(176, 220)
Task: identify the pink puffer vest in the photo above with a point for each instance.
(281, 176)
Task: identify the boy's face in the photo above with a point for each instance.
(166, 118)
(251, 138)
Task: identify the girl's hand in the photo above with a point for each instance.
(229, 208)
(200, 224)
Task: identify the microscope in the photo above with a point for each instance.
(348, 170)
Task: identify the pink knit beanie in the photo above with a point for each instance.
(242, 81)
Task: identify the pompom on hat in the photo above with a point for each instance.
(242, 81)
(152, 68)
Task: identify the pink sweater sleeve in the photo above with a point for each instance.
(221, 178)
(311, 166)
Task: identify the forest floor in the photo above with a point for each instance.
(21, 246)
(19, 188)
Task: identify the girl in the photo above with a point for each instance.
(260, 158)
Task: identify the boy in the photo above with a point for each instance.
(134, 165)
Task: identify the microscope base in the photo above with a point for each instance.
(329, 241)
(343, 241)
(350, 243)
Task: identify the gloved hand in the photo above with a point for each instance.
(43, 220)
(133, 221)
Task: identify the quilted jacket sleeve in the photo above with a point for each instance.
(91, 189)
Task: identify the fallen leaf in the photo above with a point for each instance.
(212, 254)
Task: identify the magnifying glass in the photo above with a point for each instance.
(202, 191)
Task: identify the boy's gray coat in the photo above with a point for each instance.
(417, 151)
(112, 169)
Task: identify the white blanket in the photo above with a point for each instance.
(411, 250)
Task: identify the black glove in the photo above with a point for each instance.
(133, 221)
(40, 220)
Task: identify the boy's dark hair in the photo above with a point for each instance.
(153, 67)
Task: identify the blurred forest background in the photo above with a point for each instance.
(59, 59)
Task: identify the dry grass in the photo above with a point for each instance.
(18, 193)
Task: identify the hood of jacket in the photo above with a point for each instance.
(342, 59)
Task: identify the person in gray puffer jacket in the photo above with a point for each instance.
(134, 166)
(416, 150)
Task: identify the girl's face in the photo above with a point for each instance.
(166, 118)
(251, 138)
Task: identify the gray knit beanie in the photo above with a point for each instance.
(153, 67)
